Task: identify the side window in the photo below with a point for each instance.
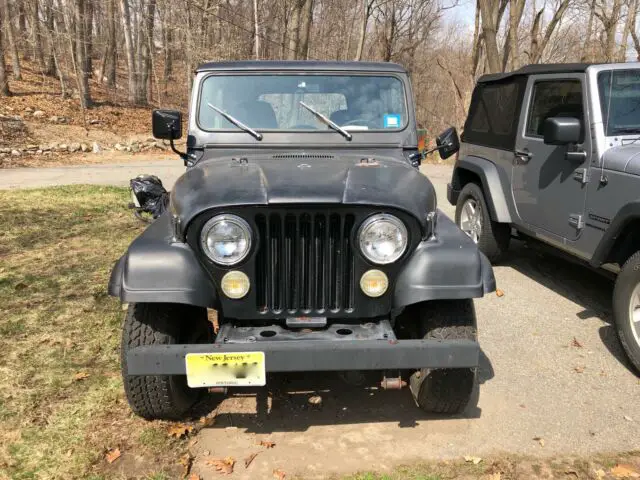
(554, 98)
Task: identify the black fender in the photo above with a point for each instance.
(156, 269)
(491, 186)
(446, 266)
(625, 216)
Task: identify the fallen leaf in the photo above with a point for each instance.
(112, 455)
(628, 418)
(624, 471)
(576, 343)
(600, 474)
(315, 400)
(579, 369)
(279, 474)
(267, 444)
(571, 472)
(522, 405)
(179, 430)
(495, 476)
(224, 466)
(207, 421)
(474, 460)
(194, 476)
(499, 292)
(249, 459)
(80, 376)
(540, 440)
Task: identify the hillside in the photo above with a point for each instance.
(40, 128)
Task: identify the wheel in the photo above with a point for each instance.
(472, 216)
(626, 308)
(445, 390)
(162, 396)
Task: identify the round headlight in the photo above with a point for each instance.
(383, 238)
(226, 239)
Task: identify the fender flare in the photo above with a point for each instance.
(155, 270)
(627, 214)
(447, 266)
(491, 186)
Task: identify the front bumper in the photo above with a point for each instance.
(312, 355)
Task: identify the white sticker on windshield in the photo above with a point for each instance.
(391, 120)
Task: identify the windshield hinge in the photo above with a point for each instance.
(576, 220)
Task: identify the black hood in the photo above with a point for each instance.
(302, 179)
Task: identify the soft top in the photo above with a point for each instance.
(309, 65)
(539, 68)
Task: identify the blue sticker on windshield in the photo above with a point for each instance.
(391, 120)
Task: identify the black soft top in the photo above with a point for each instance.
(309, 65)
(538, 68)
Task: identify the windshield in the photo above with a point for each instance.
(620, 101)
(273, 102)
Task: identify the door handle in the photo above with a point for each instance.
(523, 155)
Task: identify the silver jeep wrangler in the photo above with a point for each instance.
(553, 152)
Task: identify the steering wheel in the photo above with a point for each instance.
(360, 122)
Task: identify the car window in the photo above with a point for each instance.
(620, 101)
(289, 114)
(553, 98)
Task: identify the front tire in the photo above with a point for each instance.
(445, 390)
(472, 217)
(166, 397)
(626, 308)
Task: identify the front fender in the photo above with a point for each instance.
(157, 270)
(447, 266)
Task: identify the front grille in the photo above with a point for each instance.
(305, 263)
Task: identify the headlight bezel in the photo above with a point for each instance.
(238, 221)
(383, 217)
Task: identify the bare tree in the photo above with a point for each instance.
(11, 38)
(4, 82)
(367, 7)
(81, 63)
(609, 16)
(491, 13)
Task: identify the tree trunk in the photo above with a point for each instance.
(81, 61)
(294, 30)
(489, 14)
(512, 51)
(110, 59)
(168, 40)
(51, 61)
(128, 44)
(4, 82)
(88, 36)
(366, 11)
(144, 92)
(586, 49)
(38, 52)
(628, 25)
(256, 31)
(11, 38)
(305, 30)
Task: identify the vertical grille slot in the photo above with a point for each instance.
(305, 263)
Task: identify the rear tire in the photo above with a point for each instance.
(445, 390)
(626, 308)
(492, 237)
(166, 397)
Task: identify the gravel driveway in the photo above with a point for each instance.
(552, 369)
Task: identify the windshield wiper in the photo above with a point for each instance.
(328, 122)
(237, 123)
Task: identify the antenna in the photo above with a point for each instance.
(604, 180)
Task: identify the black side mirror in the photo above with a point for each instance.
(448, 142)
(167, 124)
(562, 130)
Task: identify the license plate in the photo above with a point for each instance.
(241, 369)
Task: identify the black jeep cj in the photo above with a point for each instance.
(303, 220)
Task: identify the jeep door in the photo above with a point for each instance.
(548, 188)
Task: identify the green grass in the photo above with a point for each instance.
(57, 247)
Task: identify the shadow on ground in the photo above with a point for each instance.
(283, 405)
(583, 286)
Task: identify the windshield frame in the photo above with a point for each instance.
(409, 113)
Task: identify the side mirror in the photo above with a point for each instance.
(562, 130)
(167, 124)
(448, 142)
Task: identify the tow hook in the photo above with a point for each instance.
(392, 383)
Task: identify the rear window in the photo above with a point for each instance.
(494, 113)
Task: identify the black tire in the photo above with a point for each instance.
(166, 397)
(626, 283)
(494, 237)
(445, 390)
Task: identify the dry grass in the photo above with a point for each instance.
(57, 324)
